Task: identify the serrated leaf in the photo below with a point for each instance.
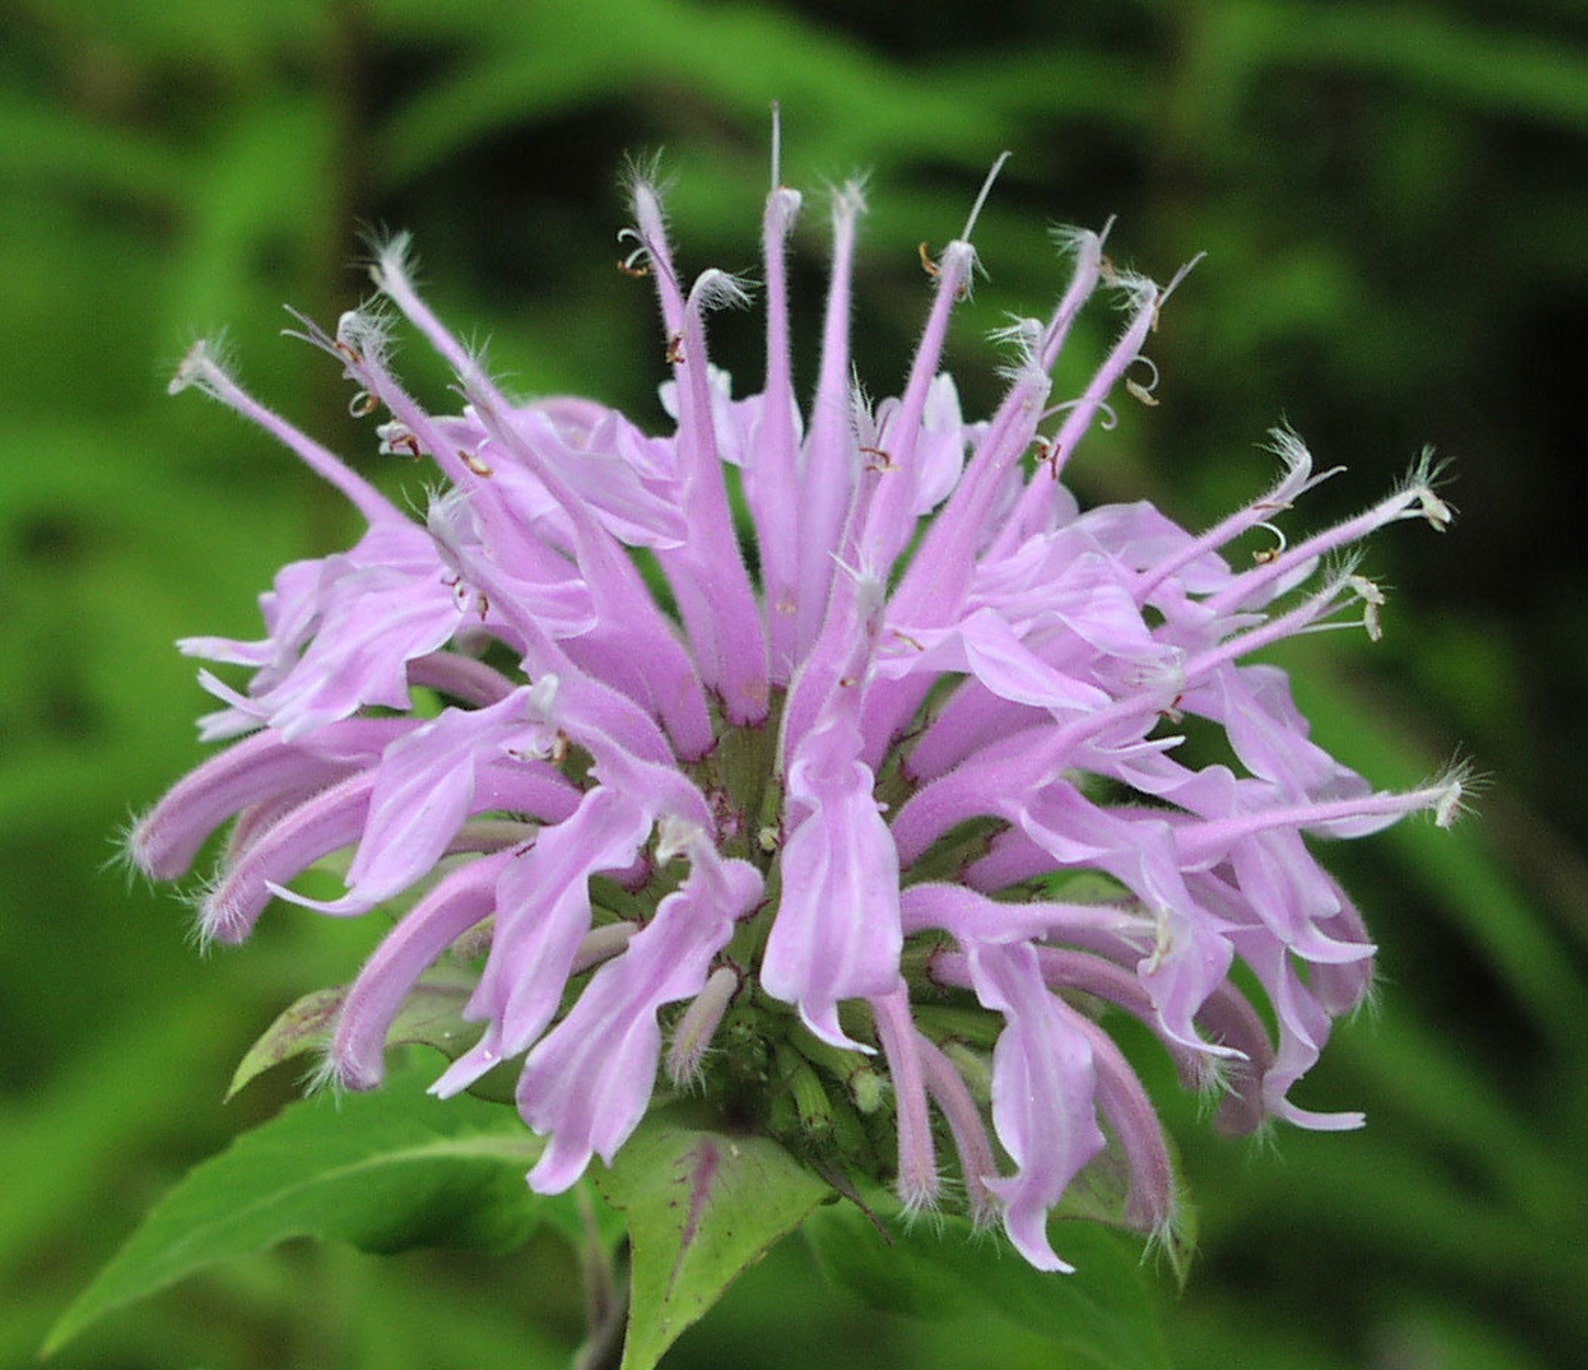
(386, 1171)
(702, 1207)
(942, 1267)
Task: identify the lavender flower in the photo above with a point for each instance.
(888, 821)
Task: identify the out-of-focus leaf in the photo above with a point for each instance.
(85, 514)
(233, 37)
(111, 1101)
(850, 104)
(1424, 1078)
(1383, 1199)
(1452, 1338)
(49, 145)
(1506, 73)
(265, 197)
(1103, 1313)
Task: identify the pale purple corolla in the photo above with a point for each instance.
(832, 788)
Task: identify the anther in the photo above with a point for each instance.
(1372, 601)
(1048, 454)
(1269, 554)
(637, 262)
(1142, 390)
(1435, 510)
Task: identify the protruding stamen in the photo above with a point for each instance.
(1296, 481)
(1307, 616)
(981, 197)
(1265, 555)
(777, 145)
(364, 334)
(1142, 296)
(1142, 391)
(1413, 498)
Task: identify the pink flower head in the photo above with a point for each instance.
(838, 793)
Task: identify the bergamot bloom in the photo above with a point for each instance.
(824, 760)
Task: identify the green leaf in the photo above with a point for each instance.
(299, 1028)
(386, 1171)
(942, 1267)
(702, 1206)
(47, 142)
(431, 1015)
(1494, 70)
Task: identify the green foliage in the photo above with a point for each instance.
(431, 1015)
(386, 1171)
(1391, 198)
(936, 1268)
(701, 1206)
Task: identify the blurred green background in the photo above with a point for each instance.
(1394, 203)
